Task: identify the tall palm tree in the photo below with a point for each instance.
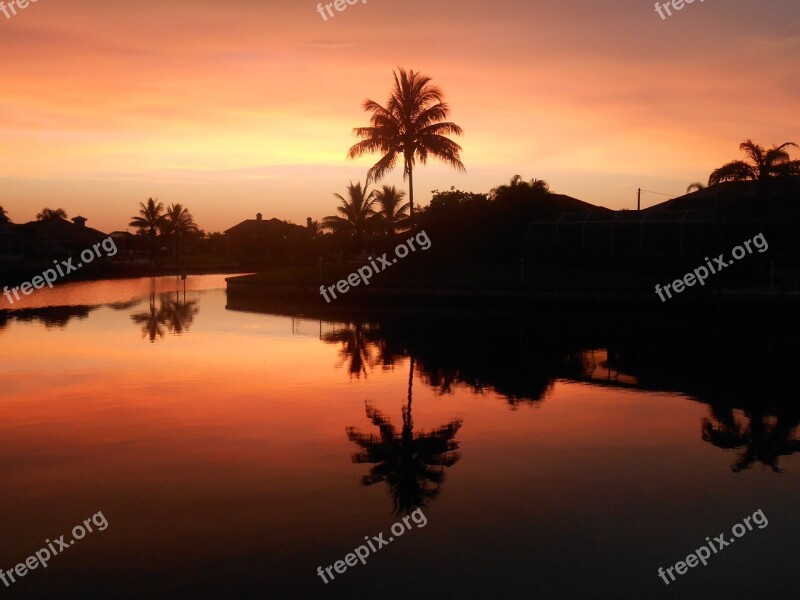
(412, 124)
(409, 462)
(763, 164)
(48, 214)
(150, 217)
(4, 216)
(357, 212)
(393, 215)
(177, 222)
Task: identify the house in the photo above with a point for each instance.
(268, 241)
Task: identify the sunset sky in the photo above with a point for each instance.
(248, 106)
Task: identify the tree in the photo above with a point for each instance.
(4, 216)
(412, 124)
(763, 164)
(518, 188)
(357, 213)
(393, 215)
(150, 217)
(696, 185)
(411, 463)
(48, 214)
(177, 222)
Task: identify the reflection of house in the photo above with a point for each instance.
(257, 240)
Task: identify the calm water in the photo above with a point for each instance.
(233, 452)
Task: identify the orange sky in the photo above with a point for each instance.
(237, 107)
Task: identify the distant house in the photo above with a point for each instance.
(270, 241)
(52, 237)
(698, 224)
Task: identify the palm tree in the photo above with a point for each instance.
(412, 124)
(696, 185)
(150, 217)
(356, 213)
(48, 214)
(409, 462)
(393, 215)
(518, 187)
(763, 165)
(4, 216)
(177, 222)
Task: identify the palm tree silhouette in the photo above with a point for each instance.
(356, 212)
(150, 217)
(177, 222)
(763, 165)
(4, 216)
(412, 124)
(393, 215)
(695, 185)
(412, 464)
(176, 316)
(355, 349)
(151, 321)
(762, 441)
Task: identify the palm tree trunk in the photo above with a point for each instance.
(410, 170)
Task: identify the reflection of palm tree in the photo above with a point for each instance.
(151, 321)
(412, 464)
(355, 347)
(763, 441)
(175, 315)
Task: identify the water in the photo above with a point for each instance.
(219, 444)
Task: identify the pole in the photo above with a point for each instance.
(639, 199)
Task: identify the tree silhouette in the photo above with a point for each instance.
(48, 214)
(175, 315)
(4, 216)
(150, 217)
(412, 124)
(412, 464)
(764, 440)
(355, 347)
(357, 213)
(763, 164)
(392, 214)
(176, 223)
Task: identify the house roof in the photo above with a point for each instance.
(271, 226)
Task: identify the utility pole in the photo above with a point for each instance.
(639, 199)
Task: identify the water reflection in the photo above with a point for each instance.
(412, 464)
(175, 313)
(764, 437)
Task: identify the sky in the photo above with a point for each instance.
(245, 106)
